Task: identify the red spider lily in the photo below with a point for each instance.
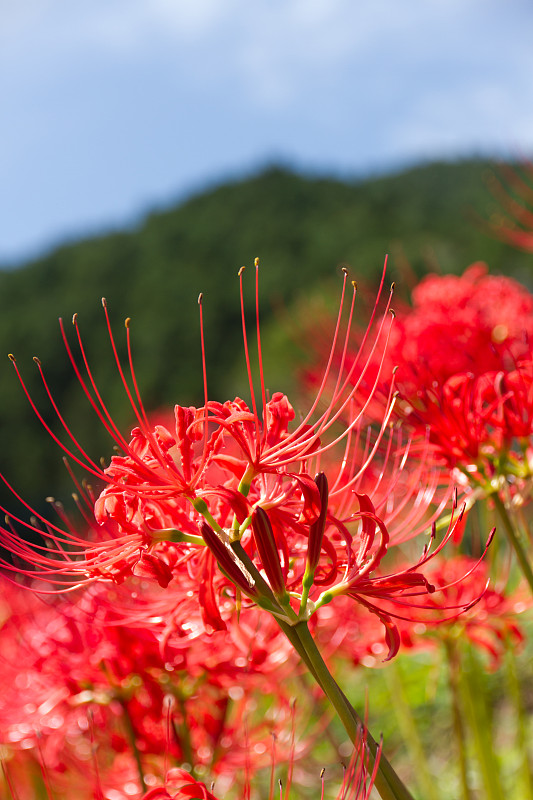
(182, 785)
(463, 357)
(474, 323)
(475, 422)
(490, 623)
(473, 392)
(68, 660)
(167, 481)
(467, 608)
(391, 596)
(239, 482)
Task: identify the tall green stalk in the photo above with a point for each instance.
(183, 734)
(133, 741)
(395, 681)
(480, 725)
(515, 693)
(454, 672)
(514, 539)
(387, 782)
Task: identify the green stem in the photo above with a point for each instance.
(260, 582)
(181, 730)
(387, 782)
(8, 784)
(521, 726)
(454, 670)
(176, 536)
(133, 741)
(473, 698)
(514, 540)
(395, 681)
(307, 582)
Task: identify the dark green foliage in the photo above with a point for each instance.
(302, 228)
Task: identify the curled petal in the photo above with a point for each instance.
(236, 500)
(311, 497)
(150, 566)
(279, 413)
(207, 595)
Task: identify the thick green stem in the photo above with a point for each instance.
(182, 732)
(454, 670)
(260, 582)
(473, 698)
(307, 582)
(395, 681)
(133, 742)
(521, 726)
(387, 782)
(514, 540)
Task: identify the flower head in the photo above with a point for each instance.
(233, 484)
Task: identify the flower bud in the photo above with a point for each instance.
(268, 551)
(228, 561)
(316, 529)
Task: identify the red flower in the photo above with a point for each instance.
(178, 786)
(491, 619)
(233, 484)
(464, 377)
(389, 596)
(88, 669)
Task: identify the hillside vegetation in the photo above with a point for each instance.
(302, 228)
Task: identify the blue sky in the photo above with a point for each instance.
(112, 107)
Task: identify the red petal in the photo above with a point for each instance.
(150, 566)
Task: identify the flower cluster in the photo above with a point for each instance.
(234, 484)
(224, 541)
(97, 671)
(469, 337)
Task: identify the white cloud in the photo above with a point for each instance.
(166, 90)
(270, 48)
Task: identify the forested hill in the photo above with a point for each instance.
(301, 228)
